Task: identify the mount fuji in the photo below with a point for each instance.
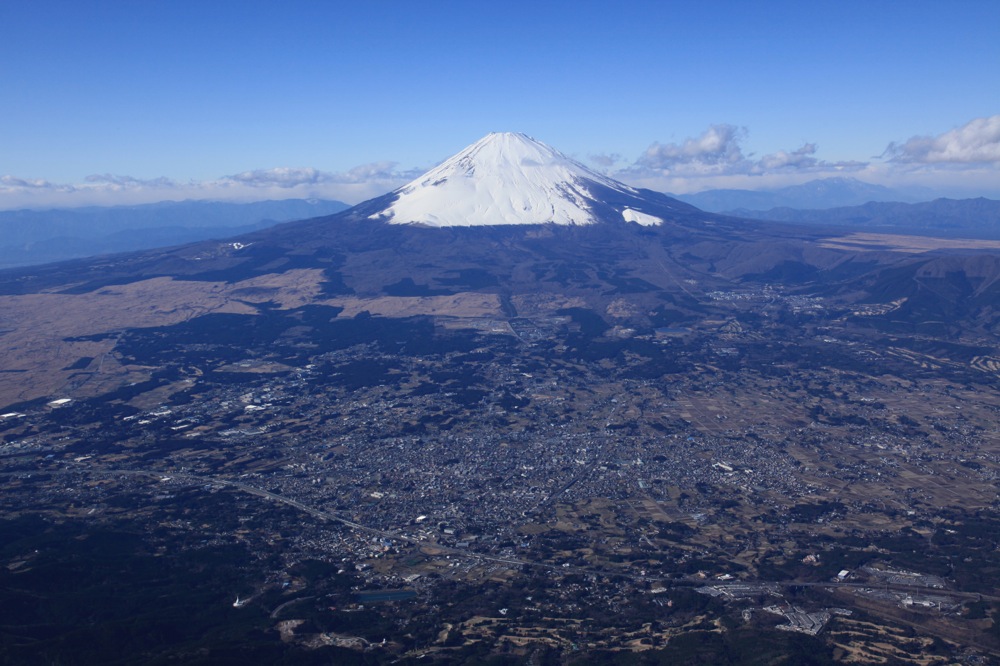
(550, 365)
(510, 178)
(508, 228)
(507, 215)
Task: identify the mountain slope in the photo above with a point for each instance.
(510, 178)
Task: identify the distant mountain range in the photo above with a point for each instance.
(978, 218)
(39, 236)
(824, 193)
(540, 185)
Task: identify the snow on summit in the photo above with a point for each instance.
(504, 178)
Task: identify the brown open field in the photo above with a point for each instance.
(865, 241)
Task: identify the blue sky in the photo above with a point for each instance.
(127, 101)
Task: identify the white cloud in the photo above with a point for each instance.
(605, 160)
(12, 182)
(127, 182)
(277, 177)
(797, 159)
(355, 185)
(296, 177)
(717, 149)
(716, 159)
(976, 142)
(378, 171)
(962, 162)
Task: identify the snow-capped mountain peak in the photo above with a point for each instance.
(506, 178)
